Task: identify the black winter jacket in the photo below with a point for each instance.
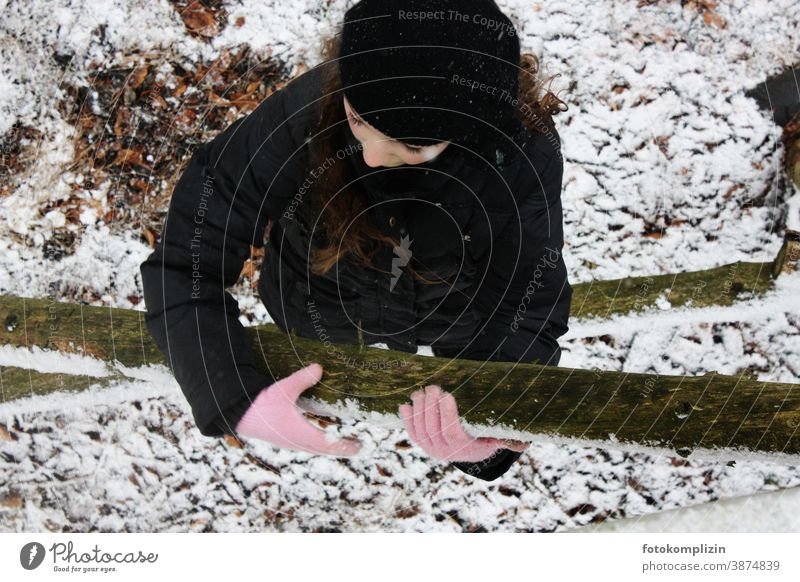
(493, 232)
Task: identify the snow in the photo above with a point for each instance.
(677, 148)
(763, 513)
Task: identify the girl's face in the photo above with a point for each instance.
(381, 150)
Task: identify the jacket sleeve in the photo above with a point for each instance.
(220, 207)
(528, 292)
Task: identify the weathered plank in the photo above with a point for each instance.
(723, 285)
(676, 412)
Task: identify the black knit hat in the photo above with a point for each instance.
(421, 70)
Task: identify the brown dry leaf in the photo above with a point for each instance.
(139, 184)
(132, 478)
(138, 76)
(252, 88)
(239, 22)
(121, 121)
(246, 106)
(180, 90)
(216, 99)
(323, 421)
(158, 101)
(199, 20)
(199, 74)
(232, 441)
(731, 190)
(185, 119)
(247, 270)
(714, 19)
(130, 157)
(658, 234)
(87, 122)
(151, 238)
(5, 435)
(12, 501)
(224, 61)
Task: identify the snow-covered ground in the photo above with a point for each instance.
(774, 512)
(668, 167)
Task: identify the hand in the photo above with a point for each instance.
(275, 417)
(432, 422)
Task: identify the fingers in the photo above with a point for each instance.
(406, 413)
(452, 432)
(517, 446)
(418, 400)
(301, 380)
(433, 422)
(315, 440)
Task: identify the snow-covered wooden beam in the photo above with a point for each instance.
(725, 413)
(791, 144)
(723, 285)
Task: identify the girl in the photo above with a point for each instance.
(410, 191)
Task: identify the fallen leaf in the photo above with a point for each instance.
(247, 269)
(138, 76)
(151, 238)
(5, 435)
(180, 90)
(714, 19)
(232, 441)
(12, 501)
(130, 157)
(199, 20)
(214, 98)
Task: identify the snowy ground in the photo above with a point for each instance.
(668, 167)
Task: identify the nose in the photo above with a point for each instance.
(373, 156)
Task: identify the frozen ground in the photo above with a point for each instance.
(668, 167)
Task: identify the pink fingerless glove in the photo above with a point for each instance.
(275, 417)
(432, 422)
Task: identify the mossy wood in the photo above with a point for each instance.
(791, 143)
(21, 382)
(712, 411)
(719, 286)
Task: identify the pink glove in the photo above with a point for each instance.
(432, 422)
(274, 417)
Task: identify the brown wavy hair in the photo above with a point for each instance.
(340, 232)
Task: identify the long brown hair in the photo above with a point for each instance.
(338, 200)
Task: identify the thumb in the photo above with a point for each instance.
(301, 380)
(517, 446)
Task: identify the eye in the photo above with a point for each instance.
(354, 120)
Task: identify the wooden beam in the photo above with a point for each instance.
(723, 285)
(677, 412)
